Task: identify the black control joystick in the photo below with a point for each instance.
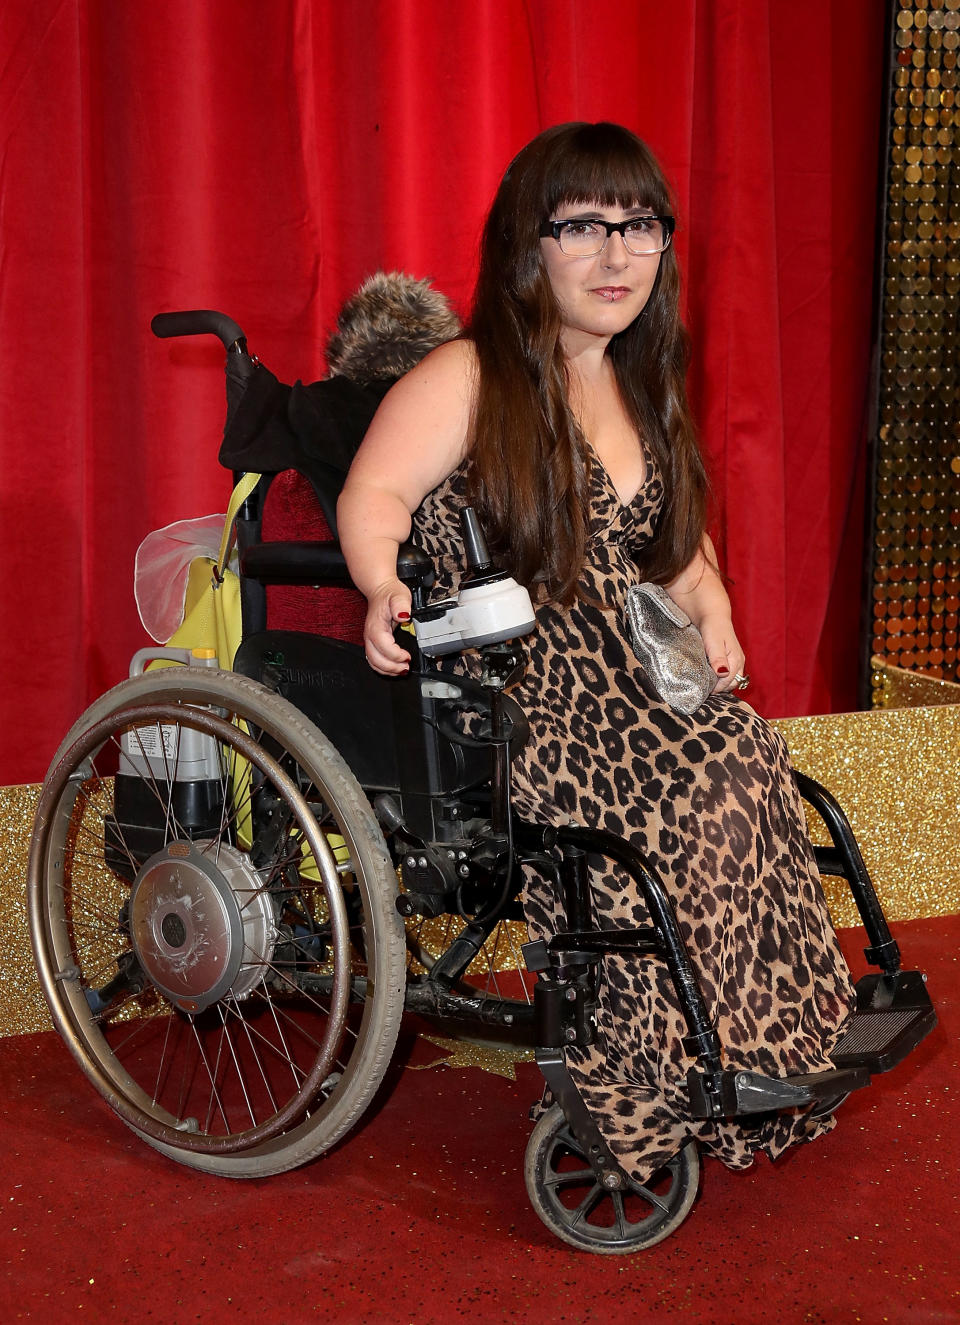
(480, 568)
(474, 543)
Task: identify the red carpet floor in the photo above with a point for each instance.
(421, 1216)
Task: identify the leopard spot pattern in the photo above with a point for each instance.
(711, 802)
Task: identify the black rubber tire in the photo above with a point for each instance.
(573, 1204)
(67, 925)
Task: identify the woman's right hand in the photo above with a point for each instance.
(417, 438)
(387, 607)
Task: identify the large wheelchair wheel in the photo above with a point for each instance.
(212, 911)
(574, 1204)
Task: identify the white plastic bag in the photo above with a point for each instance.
(161, 568)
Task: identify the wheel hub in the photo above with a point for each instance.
(201, 923)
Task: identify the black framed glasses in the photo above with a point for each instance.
(580, 238)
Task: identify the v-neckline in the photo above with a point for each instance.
(621, 504)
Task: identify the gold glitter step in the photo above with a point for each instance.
(895, 771)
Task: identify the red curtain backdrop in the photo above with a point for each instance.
(265, 158)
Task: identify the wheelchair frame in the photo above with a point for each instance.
(330, 780)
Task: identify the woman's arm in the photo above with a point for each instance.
(699, 590)
(417, 438)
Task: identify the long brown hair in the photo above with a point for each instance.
(530, 467)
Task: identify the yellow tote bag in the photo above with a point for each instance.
(212, 620)
(211, 611)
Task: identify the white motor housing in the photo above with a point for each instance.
(492, 609)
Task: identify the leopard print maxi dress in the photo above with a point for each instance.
(710, 801)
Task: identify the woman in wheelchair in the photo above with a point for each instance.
(561, 417)
(213, 890)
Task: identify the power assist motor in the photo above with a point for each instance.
(490, 607)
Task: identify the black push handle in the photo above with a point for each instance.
(200, 322)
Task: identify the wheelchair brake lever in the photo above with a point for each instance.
(390, 819)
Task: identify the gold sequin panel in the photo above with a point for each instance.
(916, 519)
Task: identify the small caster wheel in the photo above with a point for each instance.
(580, 1210)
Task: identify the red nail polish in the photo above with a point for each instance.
(722, 671)
(403, 616)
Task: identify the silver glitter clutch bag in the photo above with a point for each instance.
(669, 648)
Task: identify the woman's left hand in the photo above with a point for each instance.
(700, 591)
(724, 653)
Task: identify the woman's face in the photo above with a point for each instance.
(598, 296)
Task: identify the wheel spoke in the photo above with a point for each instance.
(89, 802)
(281, 1053)
(208, 1118)
(568, 1177)
(215, 1099)
(163, 1059)
(226, 820)
(649, 1195)
(230, 1006)
(103, 971)
(165, 802)
(241, 1076)
(137, 1026)
(297, 1073)
(620, 1213)
(170, 817)
(119, 1005)
(295, 1026)
(587, 1205)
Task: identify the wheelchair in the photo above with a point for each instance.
(231, 874)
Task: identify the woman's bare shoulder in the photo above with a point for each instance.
(440, 388)
(451, 366)
(419, 434)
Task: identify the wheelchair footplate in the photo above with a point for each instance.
(893, 1014)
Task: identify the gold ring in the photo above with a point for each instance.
(740, 682)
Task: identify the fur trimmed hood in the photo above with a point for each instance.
(387, 326)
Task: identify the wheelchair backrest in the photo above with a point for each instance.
(292, 512)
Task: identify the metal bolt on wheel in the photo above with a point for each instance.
(580, 1210)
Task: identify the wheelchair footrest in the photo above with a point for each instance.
(893, 1014)
(735, 1093)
